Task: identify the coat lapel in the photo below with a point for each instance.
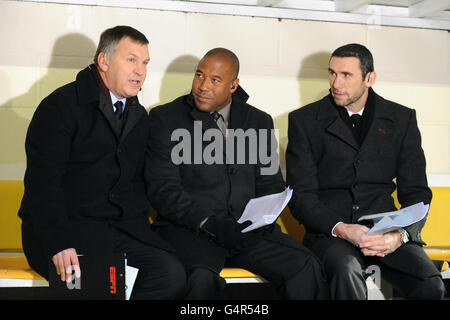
(133, 117)
(337, 128)
(382, 125)
(238, 115)
(88, 91)
(206, 119)
(105, 107)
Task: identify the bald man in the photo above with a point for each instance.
(199, 185)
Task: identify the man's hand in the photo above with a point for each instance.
(370, 244)
(389, 242)
(226, 232)
(63, 261)
(356, 234)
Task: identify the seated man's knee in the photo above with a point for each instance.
(431, 289)
(203, 283)
(166, 283)
(176, 280)
(308, 283)
(335, 264)
(345, 278)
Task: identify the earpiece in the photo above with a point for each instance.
(232, 86)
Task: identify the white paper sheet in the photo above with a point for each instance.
(388, 221)
(130, 278)
(265, 210)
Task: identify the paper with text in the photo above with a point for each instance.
(265, 210)
(130, 278)
(393, 220)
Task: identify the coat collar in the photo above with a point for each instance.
(338, 128)
(327, 108)
(238, 111)
(87, 86)
(89, 90)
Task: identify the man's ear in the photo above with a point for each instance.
(370, 79)
(234, 85)
(102, 61)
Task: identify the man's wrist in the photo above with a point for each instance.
(333, 231)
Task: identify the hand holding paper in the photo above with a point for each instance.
(388, 221)
(265, 210)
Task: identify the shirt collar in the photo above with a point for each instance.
(352, 113)
(225, 112)
(114, 99)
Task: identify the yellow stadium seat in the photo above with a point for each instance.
(15, 268)
(11, 192)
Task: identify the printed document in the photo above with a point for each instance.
(265, 210)
(393, 220)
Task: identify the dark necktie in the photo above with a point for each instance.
(119, 110)
(356, 121)
(218, 118)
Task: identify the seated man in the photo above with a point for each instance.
(84, 183)
(342, 166)
(200, 188)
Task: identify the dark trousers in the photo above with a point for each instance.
(292, 268)
(344, 266)
(161, 275)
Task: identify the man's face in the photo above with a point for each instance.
(348, 87)
(125, 71)
(213, 82)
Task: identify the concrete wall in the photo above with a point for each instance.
(283, 65)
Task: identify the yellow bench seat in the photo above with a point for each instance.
(15, 268)
(240, 275)
(15, 272)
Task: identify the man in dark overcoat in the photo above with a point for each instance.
(346, 155)
(199, 185)
(84, 182)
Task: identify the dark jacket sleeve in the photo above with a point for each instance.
(165, 188)
(268, 175)
(301, 176)
(412, 186)
(48, 146)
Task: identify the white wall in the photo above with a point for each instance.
(283, 65)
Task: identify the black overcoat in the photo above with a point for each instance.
(84, 173)
(184, 194)
(334, 179)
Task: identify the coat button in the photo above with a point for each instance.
(355, 207)
(231, 208)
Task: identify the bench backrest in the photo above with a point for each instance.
(436, 232)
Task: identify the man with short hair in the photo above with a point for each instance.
(84, 183)
(200, 189)
(344, 152)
